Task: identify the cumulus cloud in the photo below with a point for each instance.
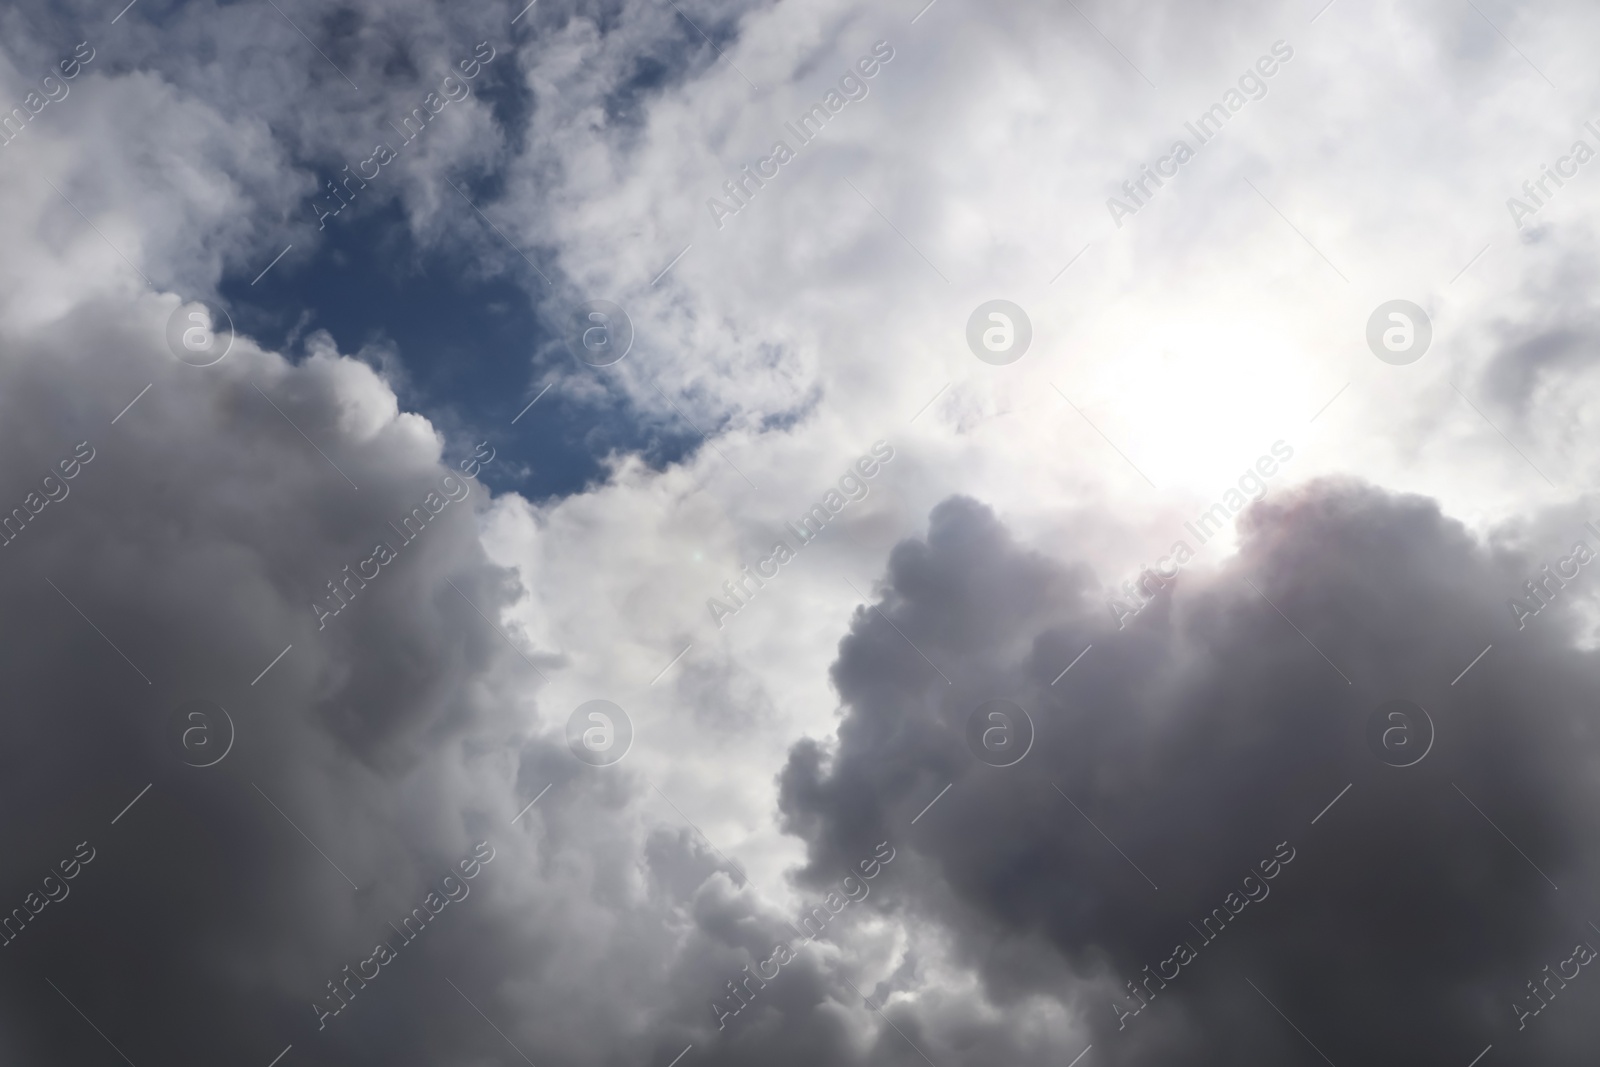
(217, 516)
(1199, 748)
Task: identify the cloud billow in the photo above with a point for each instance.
(1199, 741)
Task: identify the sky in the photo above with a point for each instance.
(701, 534)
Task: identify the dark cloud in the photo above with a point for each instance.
(1182, 751)
(388, 741)
(185, 556)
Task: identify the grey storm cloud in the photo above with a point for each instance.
(172, 912)
(1199, 748)
(208, 907)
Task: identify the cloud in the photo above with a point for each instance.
(1182, 752)
(430, 711)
